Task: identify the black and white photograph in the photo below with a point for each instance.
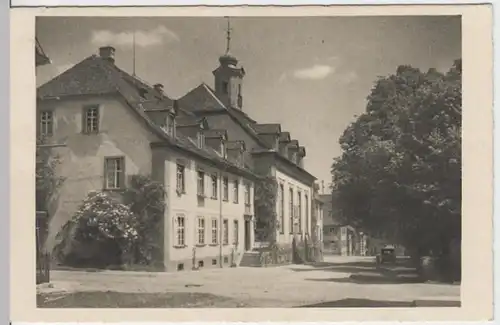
(245, 161)
(248, 161)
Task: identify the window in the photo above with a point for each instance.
(215, 232)
(200, 264)
(180, 230)
(91, 119)
(223, 149)
(46, 123)
(235, 191)
(225, 225)
(225, 188)
(115, 173)
(247, 194)
(225, 87)
(214, 262)
(236, 232)
(180, 267)
(282, 208)
(214, 187)
(180, 179)
(200, 139)
(169, 125)
(299, 212)
(308, 225)
(201, 231)
(291, 210)
(201, 183)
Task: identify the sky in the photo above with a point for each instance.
(310, 74)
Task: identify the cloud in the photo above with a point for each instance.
(316, 72)
(143, 38)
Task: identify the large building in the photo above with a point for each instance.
(107, 125)
(270, 150)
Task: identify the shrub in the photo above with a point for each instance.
(115, 230)
(103, 224)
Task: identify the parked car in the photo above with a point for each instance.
(387, 255)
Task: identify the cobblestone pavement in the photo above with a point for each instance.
(337, 278)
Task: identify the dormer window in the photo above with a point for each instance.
(169, 125)
(200, 140)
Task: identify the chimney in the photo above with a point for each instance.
(108, 53)
(158, 88)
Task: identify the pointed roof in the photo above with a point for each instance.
(268, 128)
(97, 76)
(215, 134)
(191, 121)
(236, 145)
(40, 57)
(202, 100)
(285, 137)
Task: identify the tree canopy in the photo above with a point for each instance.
(399, 175)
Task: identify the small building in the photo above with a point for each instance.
(40, 57)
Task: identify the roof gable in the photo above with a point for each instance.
(91, 76)
(269, 128)
(201, 98)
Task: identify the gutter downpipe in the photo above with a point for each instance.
(220, 216)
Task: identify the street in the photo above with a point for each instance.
(336, 282)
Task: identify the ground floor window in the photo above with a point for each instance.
(215, 231)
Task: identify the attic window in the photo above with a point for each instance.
(143, 92)
(200, 140)
(169, 125)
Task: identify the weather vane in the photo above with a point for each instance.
(228, 32)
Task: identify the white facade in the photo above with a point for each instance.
(201, 226)
(293, 208)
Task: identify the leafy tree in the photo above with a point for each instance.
(265, 209)
(146, 200)
(399, 175)
(46, 177)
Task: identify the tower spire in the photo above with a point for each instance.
(228, 35)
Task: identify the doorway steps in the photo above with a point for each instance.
(250, 259)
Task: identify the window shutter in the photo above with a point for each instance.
(98, 117)
(84, 120)
(105, 174)
(123, 177)
(175, 234)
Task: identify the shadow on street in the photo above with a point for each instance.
(357, 303)
(371, 279)
(367, 272)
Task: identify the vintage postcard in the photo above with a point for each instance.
(252, 163)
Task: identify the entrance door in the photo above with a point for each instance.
(248, 229)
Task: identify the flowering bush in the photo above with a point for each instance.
(101, 228)
(104, 217)
(108, 230)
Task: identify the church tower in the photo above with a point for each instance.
(229, 77)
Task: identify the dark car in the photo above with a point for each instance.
(387, 254)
